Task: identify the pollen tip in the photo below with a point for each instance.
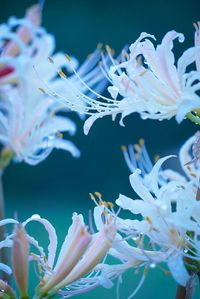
(100, 45)
(62, 74)
(148, 220)
(98, 194)
(110, 204)
(156, 158)
(50, 59)
(60, 135)
(141, 141)
(193, 174)
(126, 55)
(42, 90)
(137, 148)
(112, 52)
(123, 148)
(68, 57)
(188, 167)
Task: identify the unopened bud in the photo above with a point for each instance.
(20, 252)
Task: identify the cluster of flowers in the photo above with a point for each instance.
(30, 126)
(146, 81)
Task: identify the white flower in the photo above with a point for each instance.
(31, 132)
(29, 124)
(136, 156)
(156, 89)
(75, 270)
(170, 220)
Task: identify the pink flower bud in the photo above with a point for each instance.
(20, 252)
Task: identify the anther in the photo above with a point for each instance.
(50, 59)
(62, 74)
(68, 57)
(123, 148)
(137, 148)
(100, 45)
(98, 194)
(156, 158)
(42, 90)
(141, 141)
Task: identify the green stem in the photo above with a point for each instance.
(3, 251)
(194, 118)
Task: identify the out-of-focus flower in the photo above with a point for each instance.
(29, 125)
(20, 253)
(155, 88)
(31, 132)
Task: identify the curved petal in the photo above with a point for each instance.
(139, 188)
(154, 174)
(178, 270)
(51, 233)
(5, 269)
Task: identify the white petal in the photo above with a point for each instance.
(178, 270)
(8, 221)
(138, 186)
(51, 233)
(154, 174)
(67, 146)
(5, 268)
(185, 106)
(98, 211)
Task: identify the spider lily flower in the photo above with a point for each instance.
(156, 89)
(30, 45)
(77, 269)
(79, 255)
(169, 219)
(20, 252)
(130, 257)
(137, 156)
(29, 125)
(30, 131)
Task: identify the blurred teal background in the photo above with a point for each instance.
(60, 185)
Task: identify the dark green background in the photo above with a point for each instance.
(60, 185)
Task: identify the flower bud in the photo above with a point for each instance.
(20, 252)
